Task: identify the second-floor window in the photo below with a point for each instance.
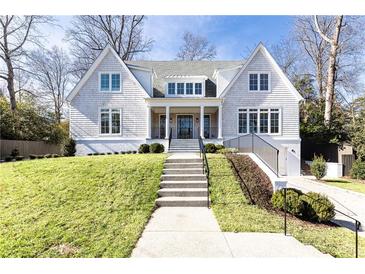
(110, 82)
(180, 88)
(198, 88)
(259, 82)
(185, 88)
(171, 88)
(189, 88)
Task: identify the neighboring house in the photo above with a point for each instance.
(119, 105)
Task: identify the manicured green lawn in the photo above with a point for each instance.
(94, 206)
(235, 214)
(354, 185)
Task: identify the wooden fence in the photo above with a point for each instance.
(28, 147)
(347, 161)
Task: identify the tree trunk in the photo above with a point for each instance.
(10, 82)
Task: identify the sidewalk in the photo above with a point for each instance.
(348, 202)
(194, 232)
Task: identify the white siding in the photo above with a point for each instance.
(145, 78)
(224, 78)
(279, 97)
(84, 111)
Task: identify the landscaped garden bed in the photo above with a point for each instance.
(77, 207)
(235, 214)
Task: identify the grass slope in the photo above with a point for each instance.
(76, 207)
(234, 214)
(354, 185)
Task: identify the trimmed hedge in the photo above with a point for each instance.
(210, 148)
(358, 170)
(294, 204)
(318, 167)
(157, 148)
(255, 184)
(144, 148)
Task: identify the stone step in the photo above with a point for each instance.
(182, 184)
(183, 171)
(183, 177)
(183, 192)
(175, 161)
(183, 165)
(182, 201)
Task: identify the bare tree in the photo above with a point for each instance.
(90, 34)
(196, 47)
(16, 33)
(51, 70)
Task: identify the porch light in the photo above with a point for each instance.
(197, 119)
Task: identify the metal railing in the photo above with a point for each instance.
(356, 222)
(205, 165)
(251, 142)
(170, 137)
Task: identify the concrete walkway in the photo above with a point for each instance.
(349, 202)
(194, 232)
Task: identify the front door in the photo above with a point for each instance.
(162, 126)
(185, 126)
(206, 126)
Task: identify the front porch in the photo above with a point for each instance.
(185, 122)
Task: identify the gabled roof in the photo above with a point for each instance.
(96, 63)
(276, 67)
(163, 69)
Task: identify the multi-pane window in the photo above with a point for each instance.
(259, 82)
(171, 88)
(180, 88)
(253, 120)
(242, 121)
(189, 88)
(264, 121)
(274, 120)
(198, 88)
(110, 82)
(110, 121)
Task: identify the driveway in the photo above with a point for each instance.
(349, 202)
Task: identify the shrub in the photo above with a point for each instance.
(55, 155)
(102, 153)
(8, 158)
(219, 147)
(109, 153)
(89, 154)
(40, 156)
(210, 148)
(134, 151)
(255, 184)
(32, 156)
(96, 153)
(294, 203)
(122, 152)
(227, 150)
(48, 156)
(144, 148)
(128, 152)
(157, 148)
(317, 207)
(318, 167)
(14, 152)
(116, 152)
(358, 170)
(19, 158)
(70, 147)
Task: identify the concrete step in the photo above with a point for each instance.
(188, 161)
(183, 192)
(182, 201)
(183, 151)
(183, 177)
(182, 184)
(183, 165)
(183, 171)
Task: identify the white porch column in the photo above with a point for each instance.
(149, 122)
(167, 129)
(220, 122)
(202, 122)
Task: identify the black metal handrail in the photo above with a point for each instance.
(357, 223)
(170, 137)
(265, 151)
(205, 165)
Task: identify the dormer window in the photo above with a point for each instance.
(189, 88)
(185, 85)
(171, 88)
(180, 88)
(259, 81)
(198, 88)
(110, 82)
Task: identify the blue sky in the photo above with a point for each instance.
(233, 36)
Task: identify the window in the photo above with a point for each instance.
(253, 120)
(180, 88)
(110, 121)
(264, 81)
(110, 82)
(171, 88)
(253, 81)
(242, 121)
(274, 121)
(259, 82)
(198, 88)
(262, 121)
(189, 88)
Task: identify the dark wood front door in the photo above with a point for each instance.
(185, 126)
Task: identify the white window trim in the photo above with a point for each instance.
(258, 81)
(110, 121)
(193, 81)
(110, 81)
(258, 121)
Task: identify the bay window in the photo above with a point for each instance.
(261, 121)
(110, 121)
